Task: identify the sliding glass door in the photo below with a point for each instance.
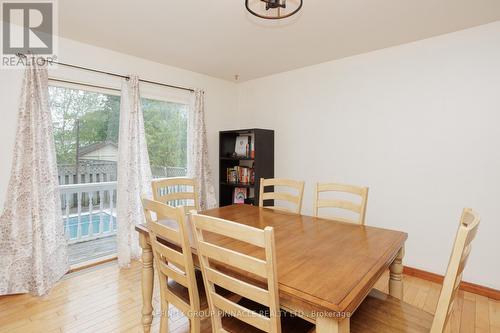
(86, 126)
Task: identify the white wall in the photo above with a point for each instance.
(417, 123)
(220, 95)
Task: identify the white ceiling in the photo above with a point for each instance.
(219, 38)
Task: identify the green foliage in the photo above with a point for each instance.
(102, 124)
(165, 124)
(94, 117)
(90, 110)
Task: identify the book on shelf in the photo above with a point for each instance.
(232, 176)
(242, 145)
(240, 194)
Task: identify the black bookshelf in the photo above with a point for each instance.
(262, 162)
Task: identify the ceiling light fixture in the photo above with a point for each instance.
(273, 9)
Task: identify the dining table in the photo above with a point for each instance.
(326, 268)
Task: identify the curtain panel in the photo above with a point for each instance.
(134, 172)
(198, 164)
(33, 249)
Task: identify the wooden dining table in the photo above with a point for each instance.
(325, 268)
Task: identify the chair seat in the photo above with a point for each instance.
(289, 323)
(233, 325)
(183, 293)
(380, 312)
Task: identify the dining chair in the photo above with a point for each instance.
(294, 199)
(179, 284)
(177, 191)
(358, 208)
(383, 313)
(244, 316)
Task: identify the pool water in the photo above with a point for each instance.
(71, 224)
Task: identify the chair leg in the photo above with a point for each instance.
(164, 318)
(195, 324)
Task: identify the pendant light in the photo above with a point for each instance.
(273, 9)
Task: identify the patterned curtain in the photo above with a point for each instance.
(32, 244)
(134, 172)
(198, 166)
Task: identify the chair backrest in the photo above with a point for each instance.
(169, 223)
(466, 233)
(294, 199)
(359, 208)
(177, 191)
(265, 269)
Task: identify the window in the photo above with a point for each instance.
(86, 126)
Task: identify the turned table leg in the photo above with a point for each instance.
(147, 283)
(332, 325)
(396, 275)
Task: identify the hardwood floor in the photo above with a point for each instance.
(105, 299)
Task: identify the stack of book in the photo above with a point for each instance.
(240, 175)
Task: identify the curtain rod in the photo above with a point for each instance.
(20, 55)
(54, 79)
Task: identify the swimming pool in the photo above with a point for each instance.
(71, 224)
